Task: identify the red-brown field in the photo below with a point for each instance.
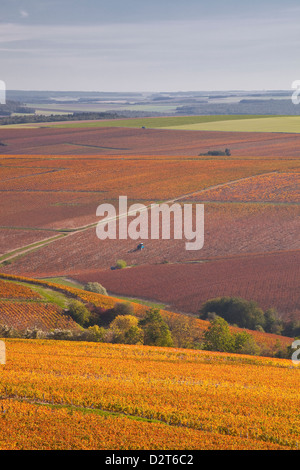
(11, 239)
(251, 210)
(132, 141)
(47, 210)
(43, 316)
(272, 280)
(230, 230)
(139, 179)
(275, 187)
(64, 193)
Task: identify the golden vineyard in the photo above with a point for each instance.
(70, 395)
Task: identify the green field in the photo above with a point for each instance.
(286, 124)
(163, 122)
(225, 123)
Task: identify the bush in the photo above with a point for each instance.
(216, 153)
(244, 343)
(121, 264)
(125, 330)
(123, 308)
(95, 287)
(184, 331)
(273, 324)
(218, 337)
(156, 331)
(236, 311)
(79, 312)
(96, 334)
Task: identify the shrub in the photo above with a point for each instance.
(95, 287)
(121, 264)
(123, 308)
(184, 331)
(79, 312)
(244, 343)
(96, 333)
(218, 336)
(236, 311)
(125, 330)
(156, 331)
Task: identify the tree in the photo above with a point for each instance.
(125, 330)
(218, 336)
(273, 324)
(96, 333)
(95, 287)
(156, 331)
(79, 312)
(123, 308)
(184, 332)
(244, 343)
(236, 311)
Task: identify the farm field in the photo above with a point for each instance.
(144, 398)
(276, 187)
(230, 230)
(157, 122)
(285, 124)
(12, 239)
(151, 122)
(271, 279)
(40, 305)
(48, 216)
(33, 315)
(52, 180)
(23, 306)
(139, 179)
(126, 141)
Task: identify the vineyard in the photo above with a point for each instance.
(88, 394)
(275, 187)
(272, 280)
(47, 317)
(11, 290)
(134, 397)
(36, 315)
(138, 178)
(88, 141)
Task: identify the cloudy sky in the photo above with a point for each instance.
(154, 45)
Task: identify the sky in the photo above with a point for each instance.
(149, 46)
